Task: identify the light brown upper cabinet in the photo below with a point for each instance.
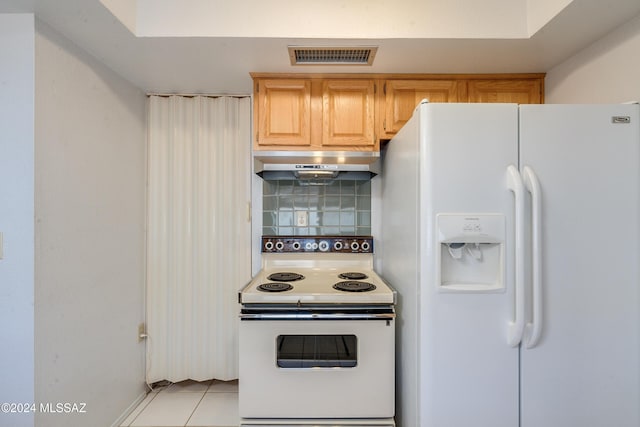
(402, 96)
(315, 113)
(519, 91)
(283, 112)
(348, 113)
(337, 112)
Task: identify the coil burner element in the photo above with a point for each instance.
(354, 286)
(275, 287)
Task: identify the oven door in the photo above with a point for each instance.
(317, 368)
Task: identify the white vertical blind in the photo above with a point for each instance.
(199, 235)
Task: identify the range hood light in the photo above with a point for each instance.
(316, 174)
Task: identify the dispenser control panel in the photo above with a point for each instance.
(484, 228)
(472, 225)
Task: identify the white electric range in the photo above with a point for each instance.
(317, 335)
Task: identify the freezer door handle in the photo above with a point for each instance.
(534, 328)
(516, 327)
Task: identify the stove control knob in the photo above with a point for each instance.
(308, 246)
(323, 245)
(279, 246)
(338, 245)
(268, 245)
(296, 246)
(365, 246)
(355, 246)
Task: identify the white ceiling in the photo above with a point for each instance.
(221, 65)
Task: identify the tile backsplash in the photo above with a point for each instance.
(342, 207)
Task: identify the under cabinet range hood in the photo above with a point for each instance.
(316, 166)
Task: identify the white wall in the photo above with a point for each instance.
(359, 19)
(90, 213)
(608, 71)
(16, 213)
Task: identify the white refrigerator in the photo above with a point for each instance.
(511, 234)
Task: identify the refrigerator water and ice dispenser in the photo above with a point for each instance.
(471, 252)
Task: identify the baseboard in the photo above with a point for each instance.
(129, 410)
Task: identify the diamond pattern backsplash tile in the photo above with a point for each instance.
(342, 208)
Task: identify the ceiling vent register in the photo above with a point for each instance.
(362, 55)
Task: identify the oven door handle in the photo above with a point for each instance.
(317, 316)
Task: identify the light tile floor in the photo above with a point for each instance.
(188, 403)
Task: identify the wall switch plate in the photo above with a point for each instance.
(302, 218)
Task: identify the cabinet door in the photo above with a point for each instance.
(517, 91)
(284, 112)
(348, 113)
(402, 97)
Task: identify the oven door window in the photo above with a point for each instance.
(317, 351)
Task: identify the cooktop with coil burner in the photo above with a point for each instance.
(352, 275)
(274, 287)
(354, 286)
(317, 270)
(285, 276)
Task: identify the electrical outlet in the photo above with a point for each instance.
(142, 334)
(302, 218)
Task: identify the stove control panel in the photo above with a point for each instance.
(346, 244)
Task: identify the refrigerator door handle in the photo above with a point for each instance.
(534, 329)
(516, 328)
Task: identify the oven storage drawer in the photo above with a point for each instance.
(317, 369)
(318, 423)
